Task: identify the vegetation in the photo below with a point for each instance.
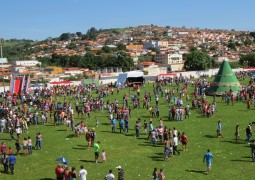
(198, 60)
(248, 60)
(90, 61)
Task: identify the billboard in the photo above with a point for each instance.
(3, 60)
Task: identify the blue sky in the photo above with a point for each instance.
(40, 19)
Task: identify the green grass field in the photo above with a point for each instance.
(136, 155)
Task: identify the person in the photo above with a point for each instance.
(18, 147)
(154, 174)
(67, 173)
(175, 144)
(161, 175)
(208, 157)
(82, 173)
(3, 148)
(73, 174)
(253, 151)
(145, 127)
(120, 173)
(109, 176)
(29, 145)
(59, 171)
(96, 150)
(219, 129)
(184, 141)
(113, 123)
(25, 146)
(248, 133)
(137, 128)
(104, 156)
(88, 138)
(38, 141)
(12, 161)
(92, 136)
(5, 162)
(237, 133)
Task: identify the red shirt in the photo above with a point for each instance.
(59, 171)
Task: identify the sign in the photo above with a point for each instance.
(154, 71)
(109, 74)
(3, 60)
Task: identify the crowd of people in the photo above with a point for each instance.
(40, 106)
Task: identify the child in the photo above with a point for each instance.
(103, 156)
(10, 151)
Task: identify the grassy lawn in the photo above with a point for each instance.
(136, 155)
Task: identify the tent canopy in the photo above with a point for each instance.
(224, 81)
(131, 74)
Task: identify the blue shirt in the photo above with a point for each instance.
(208, 157)
(151, 127)
(219, 127)
(114, 121)
(12, 159)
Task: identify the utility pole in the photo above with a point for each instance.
(1, 50)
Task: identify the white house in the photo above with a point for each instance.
(26, 63)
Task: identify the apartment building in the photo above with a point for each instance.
(173, 62)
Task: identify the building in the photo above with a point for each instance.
(26, 63)
(155, 44)
(173, 62)
(53, 70)
(145, 65)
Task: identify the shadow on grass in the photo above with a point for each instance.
(77, 148)
(46, 179)
(195, 171)
(61, 130)
(246, 157)
(240, 160)
(106, 124)
(229, 141)
(49, 125)
(108, 131)
(157, 157)
(209, 136)
(83, 160)
(71, 136)
(81, 145)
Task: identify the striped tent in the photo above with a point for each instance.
(224, 81)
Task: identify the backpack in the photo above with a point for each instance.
(92, 134)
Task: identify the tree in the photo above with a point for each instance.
(232, 45)
(198, 60)
(121, 46)
(91, 34)
(79, 34)
(252, 34)
(106, 49)
(248, 59)
(64, 36)
(192, 48)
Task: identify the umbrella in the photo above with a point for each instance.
(62, 159)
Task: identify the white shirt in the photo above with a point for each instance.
(83, 173)
(110, 176)
(175, 141)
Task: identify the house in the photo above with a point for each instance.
(53, 70)
(173, 62)
(145, 65)
(26, 63)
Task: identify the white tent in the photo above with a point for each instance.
(123, 76)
